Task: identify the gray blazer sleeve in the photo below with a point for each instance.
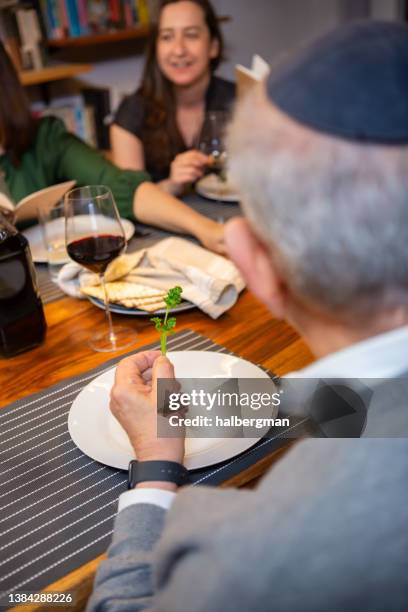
(124, 580)
(327, 529)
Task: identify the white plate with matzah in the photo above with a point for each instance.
(95, 431)
(136, 312)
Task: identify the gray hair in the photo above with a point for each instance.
(334, 214)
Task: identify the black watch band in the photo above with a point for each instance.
(160, 471)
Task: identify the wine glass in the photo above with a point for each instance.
(212, 143)
(94, 237)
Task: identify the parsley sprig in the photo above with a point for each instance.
(166, 326)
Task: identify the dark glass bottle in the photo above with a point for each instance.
(22, 321)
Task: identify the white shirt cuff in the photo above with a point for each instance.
(157, 497)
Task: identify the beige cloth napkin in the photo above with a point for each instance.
(209, 281)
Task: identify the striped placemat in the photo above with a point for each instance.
(57, 505)
(49, 291)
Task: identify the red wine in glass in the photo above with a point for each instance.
(96, 252)
(94, 237)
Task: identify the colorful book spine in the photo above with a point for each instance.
(79, 119)
(135, 14)
(46, 17)
(63, 13)
(143, 12)
(83, 16)
(135, 10)
(58, 25)
(128, 15)
(114, 11)
(53, 18)
(73, 18)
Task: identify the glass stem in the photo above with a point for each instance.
(112, 336)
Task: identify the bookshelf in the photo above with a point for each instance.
(52, 73)
(141, 31)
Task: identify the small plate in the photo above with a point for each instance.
(211, 187)
(37, 247)
(90, 421)
(136, 312)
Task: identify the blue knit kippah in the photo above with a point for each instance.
(352, 83)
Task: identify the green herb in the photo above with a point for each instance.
(166, 326)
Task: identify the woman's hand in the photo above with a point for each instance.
(187, 167)
(211, 235)
(134, 404)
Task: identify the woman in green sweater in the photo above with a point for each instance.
(38, 153)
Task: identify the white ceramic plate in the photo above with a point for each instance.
(137, 312)
(212, 188)
(96, 433)
(37, 247)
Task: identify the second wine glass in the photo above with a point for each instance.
(212, 141)
(94, 237)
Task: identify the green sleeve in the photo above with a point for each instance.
(69, 158)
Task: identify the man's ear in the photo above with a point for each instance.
(254, 262)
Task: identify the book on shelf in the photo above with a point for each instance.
(44, 199)
(71, 110)
(31, 39)
(21, 34)
(77, 115)
(143, 11)
(87, 115)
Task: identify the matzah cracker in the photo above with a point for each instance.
(118, 291)
(122, 265)
(146, 300)
(148, 307)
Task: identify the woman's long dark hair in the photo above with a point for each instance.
(17, 126)
(161, 137)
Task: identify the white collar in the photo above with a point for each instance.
(382, 356)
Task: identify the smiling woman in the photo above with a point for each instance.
(157, 127)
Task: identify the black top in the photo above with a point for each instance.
(131, 114)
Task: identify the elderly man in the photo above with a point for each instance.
(321, 158)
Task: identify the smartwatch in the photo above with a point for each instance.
(159, 471)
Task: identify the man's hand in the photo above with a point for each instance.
(134, 404)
